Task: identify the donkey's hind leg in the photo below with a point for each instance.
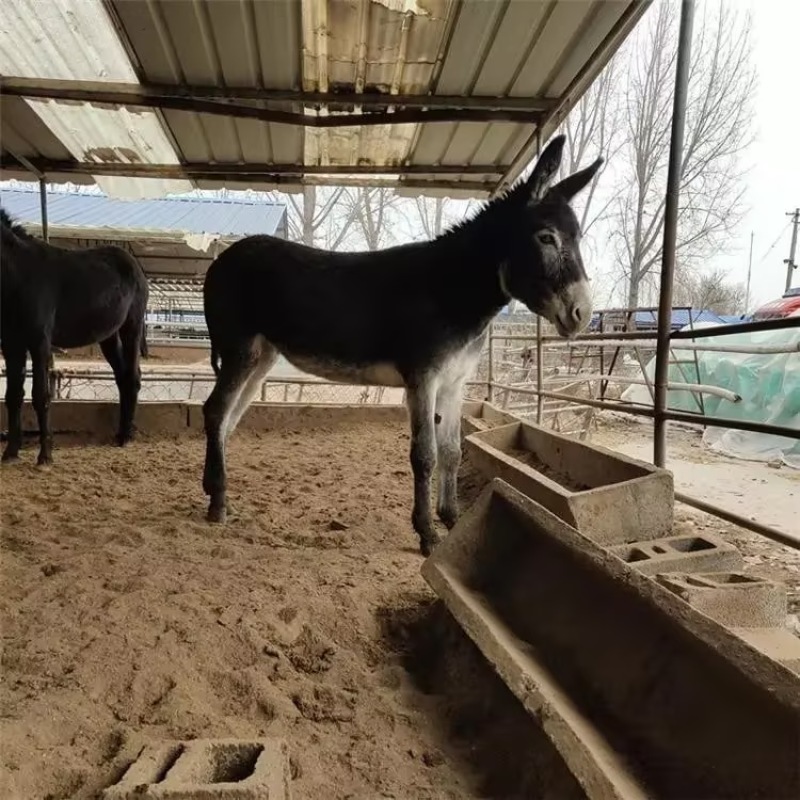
(265, 356)
(130, 382)
(15, 393)
(226, 404)
(112, 350)
(448, 445)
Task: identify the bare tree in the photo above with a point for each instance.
(431, 212)
(594, 128)
(718, 129)
(711, 291)
(374, 207)
(318, 218)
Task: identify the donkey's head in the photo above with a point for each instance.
(544, 269)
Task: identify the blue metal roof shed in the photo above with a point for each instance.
(177, 236)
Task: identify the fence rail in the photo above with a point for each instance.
(598, 343)
(530, 393)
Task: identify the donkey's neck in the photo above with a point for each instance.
(474, 254)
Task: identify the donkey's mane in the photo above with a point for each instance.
(8, 222)
(491, 213)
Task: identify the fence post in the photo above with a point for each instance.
(539, 362)
(490, 386)
(663, 331)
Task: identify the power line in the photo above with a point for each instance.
(773, 245)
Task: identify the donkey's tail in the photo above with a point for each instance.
(215, 359)
(144, 351)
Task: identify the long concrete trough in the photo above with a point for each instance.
(609, 497)
(643, 694)
(480, 416)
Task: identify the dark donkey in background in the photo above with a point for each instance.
(53, 297)
(414, 316)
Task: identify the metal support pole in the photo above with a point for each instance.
(791, 264)
(749, 274)
(539, 363)
(539, 343)
(43, 202)
(490, 382)
(671, 230)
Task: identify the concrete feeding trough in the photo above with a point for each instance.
(477, 416)
(642, 695)
(607, 496)
(202, 769)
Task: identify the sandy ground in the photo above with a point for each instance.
(126, 617)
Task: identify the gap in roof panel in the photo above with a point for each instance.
(74, 39)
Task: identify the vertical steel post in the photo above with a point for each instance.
(671, 230)
(539, 343)
(490, 381)
(791, 264)
(539, 362)
(43, 204)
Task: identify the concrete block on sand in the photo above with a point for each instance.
(207, 769)
(606, 496)
(731, 598)
(680, 554)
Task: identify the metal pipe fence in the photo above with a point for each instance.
(641, 340)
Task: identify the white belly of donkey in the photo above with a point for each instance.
(378, 374)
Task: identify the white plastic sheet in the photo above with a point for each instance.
(767, 383)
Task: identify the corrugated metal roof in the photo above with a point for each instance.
(546, 50)
(74, 39)
(183, 215)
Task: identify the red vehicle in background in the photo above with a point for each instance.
(777, 309)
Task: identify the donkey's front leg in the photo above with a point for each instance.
(448, 445)
(420, 401)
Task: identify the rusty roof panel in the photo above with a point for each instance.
(473, 48)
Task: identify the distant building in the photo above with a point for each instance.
(175, 239)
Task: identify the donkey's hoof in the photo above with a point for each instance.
(44, 461)
(10, 456)
(427, 545)
(121, 439)
(448, 517)
(217, 514)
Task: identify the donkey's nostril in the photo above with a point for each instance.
(577, 313)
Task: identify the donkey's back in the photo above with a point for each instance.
(351, 308)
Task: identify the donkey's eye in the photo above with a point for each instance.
(547, 239)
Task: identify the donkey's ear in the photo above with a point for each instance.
(546, 168)
(570, 186)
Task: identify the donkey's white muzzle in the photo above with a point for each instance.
(571, 310)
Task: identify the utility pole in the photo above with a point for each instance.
(749, 272)
(791, 264)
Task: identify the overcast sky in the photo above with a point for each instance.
(773, 185)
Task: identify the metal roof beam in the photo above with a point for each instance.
(392, 177)
(249, 171)
(412, 109)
